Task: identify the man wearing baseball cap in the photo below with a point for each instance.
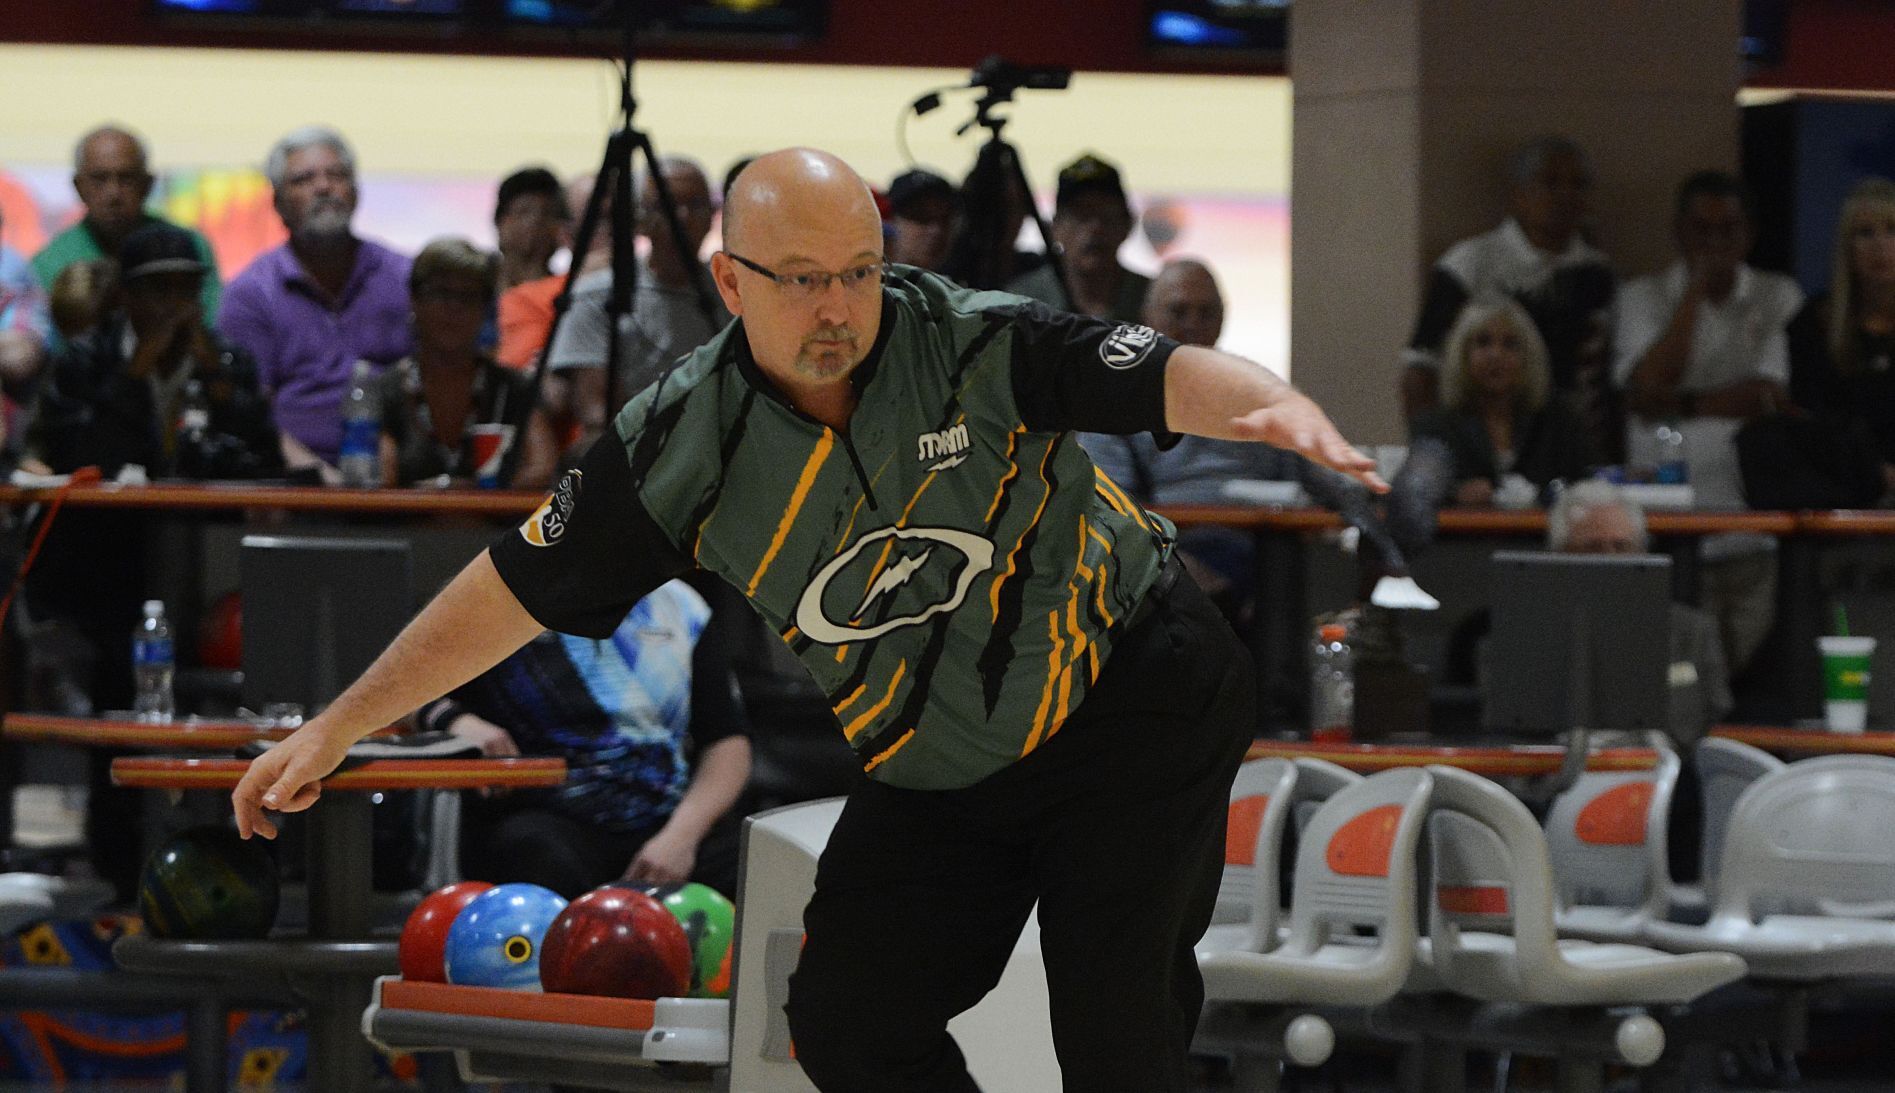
(1091, 218)
(923, 210)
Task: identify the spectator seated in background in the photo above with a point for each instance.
(1842, 344)
(1091, 219)
(530, 220)
(525, 312)
(1539, 257)
(923, 210)
(311, 308)
(25, 326)
(1701, 349)
(666, 319)
(432, 401)
(1595, 517)
(654, 740)
(152, 385)
(82, 295)
(113, 180)
(1505, 433)
(994, 207)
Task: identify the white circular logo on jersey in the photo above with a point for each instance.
(814, 621)
(1126, 346)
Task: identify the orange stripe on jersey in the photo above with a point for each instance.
(1052, 679)
(1001, 579)
(811, 467)
(1013, 468)
(1131, 507)
(850, 701)
(1065, 696)
(888, 544)
(791, 635)
(892, 749)
(1099, 587)
(854, 728)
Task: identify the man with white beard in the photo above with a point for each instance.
(314, 306)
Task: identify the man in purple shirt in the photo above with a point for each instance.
(308, 310)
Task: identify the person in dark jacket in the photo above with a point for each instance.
(1505, 430)
(152, 385)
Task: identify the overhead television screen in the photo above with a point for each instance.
(320, 10)
(760, 18)
(1232, 29)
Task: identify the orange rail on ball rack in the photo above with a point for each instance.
(563, 1009)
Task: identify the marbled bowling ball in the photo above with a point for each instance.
(495, 940)
(423, 947)
(206, 882)
(710, 922)
(617, 942)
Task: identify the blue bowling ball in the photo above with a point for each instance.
(495, 940)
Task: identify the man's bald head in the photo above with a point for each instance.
(1184, 303)
(800, 213)
(796, 184)
(113, 180)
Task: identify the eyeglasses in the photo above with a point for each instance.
(808, 286)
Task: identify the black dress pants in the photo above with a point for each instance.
(1115, 826)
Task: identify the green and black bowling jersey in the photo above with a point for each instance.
(951, 569)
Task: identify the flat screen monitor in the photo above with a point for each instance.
(1579, 641)
(316, 612)
(1240, 30)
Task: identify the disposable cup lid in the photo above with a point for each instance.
(1846, 645)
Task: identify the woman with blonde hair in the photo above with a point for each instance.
(1843, 342)
(1499, 419)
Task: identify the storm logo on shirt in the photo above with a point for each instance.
(548, 522)
(1127, 345)
(927, 572)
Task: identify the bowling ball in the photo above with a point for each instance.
(424, 935)
(495, 940)
(710, 922)
(617, 942)
(206, 882)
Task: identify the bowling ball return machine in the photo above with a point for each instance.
(740, 1044)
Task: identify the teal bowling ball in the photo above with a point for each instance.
(495, 941)
(207, 883)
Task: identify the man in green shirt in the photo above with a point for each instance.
(1047, 711)
(114, 182)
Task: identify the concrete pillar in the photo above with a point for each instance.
(1405, 113)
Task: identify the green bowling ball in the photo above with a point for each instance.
(710, 923)
(206, 882)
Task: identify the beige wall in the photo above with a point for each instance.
(1402, 128)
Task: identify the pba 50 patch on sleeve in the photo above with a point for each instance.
(548, 523)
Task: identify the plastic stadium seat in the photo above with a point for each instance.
(1492, 874)
(1606, 839)
(1248, 904)
(1725, 769)
(1355, 868)
(1806, 851)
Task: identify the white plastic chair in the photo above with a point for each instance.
(1606, 837)
(1725, 769)
(1492, 874)
(1807, 861)
(1355, 867)
(1248, 904)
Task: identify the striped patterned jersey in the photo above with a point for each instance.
(950, 568)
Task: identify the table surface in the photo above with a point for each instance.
(1808, 741)
(212, 496)
(369, 775)
(1491, 761)
(188, 734)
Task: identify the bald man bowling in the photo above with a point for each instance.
(1046, 708)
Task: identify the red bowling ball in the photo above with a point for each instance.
(424, 935)
(619, 943)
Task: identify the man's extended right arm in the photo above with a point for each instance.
(471, 626)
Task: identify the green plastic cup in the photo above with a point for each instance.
(1846, 681)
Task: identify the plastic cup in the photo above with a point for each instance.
(1846, 681)
(489, 444)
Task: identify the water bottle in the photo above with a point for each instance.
(153, 665)
(1332, 685)
(1669, 465)
(360, 457)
